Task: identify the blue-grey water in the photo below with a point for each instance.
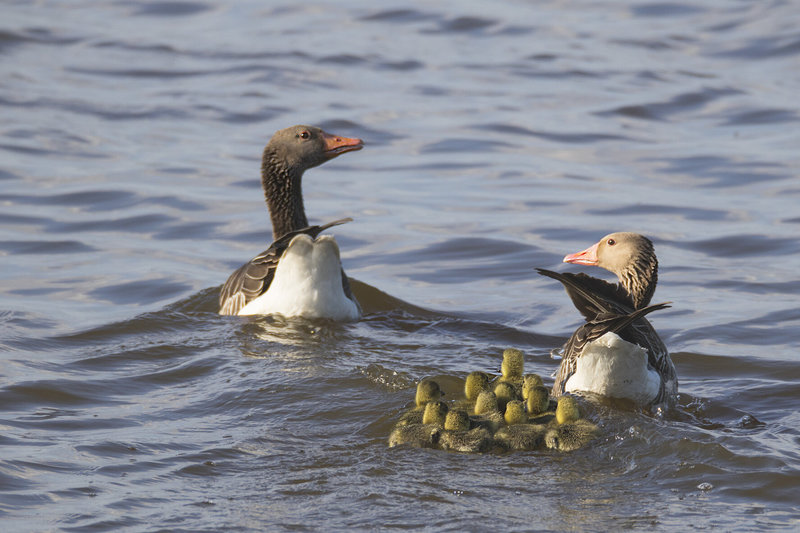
(499, 136)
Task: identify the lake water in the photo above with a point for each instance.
(499, 137)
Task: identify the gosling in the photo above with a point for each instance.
(427, 391)
(487, 412)
(458, 436)
(571, 432)
(512, 366)
(519, 435)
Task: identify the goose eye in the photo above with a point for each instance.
(304, 134)
(611, 242)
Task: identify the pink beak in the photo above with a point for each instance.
(586, 257)
(335, 145)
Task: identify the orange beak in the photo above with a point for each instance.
(586, 257)
(336, 145)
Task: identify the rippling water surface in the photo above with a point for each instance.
(500, 136)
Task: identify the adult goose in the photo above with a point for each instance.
(617, 352)
(299, 274)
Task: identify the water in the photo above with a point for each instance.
(500, 136)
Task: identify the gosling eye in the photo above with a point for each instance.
(611, 242)
(304, 134)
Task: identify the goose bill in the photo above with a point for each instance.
(336, 145)
(586, 257)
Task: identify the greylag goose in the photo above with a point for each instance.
(299, 274)
(617, 352)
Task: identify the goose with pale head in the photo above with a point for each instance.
(617, 352)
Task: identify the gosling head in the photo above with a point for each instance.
(476, 383)
(513, 364)
(515, 413)
(538, 400)
(529, 381)
(427, 391)
(505, 392)
(486, 403)
(456, 420)
(435, 413)
(567, 410)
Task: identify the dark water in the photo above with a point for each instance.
(500, 136)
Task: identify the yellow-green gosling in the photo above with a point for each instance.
(521, 437)
(435, 413)
(476, 383)
(427, 391)
(417, 435)
(457, 420)
(422, 427)
(567, 410)
(513, 365)
(538, 401)
(530, 382)
(487, 413)
(458, 437)
(570, 437)
(486, 403)
(515, 413)
(571, 432)
(505, 392)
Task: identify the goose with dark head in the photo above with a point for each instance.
(299, 274)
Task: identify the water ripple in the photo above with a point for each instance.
(743, 246)
(171, 9)
(758, 48)
(45, 247)
(678, 105)
(571, 138)
(398, 16)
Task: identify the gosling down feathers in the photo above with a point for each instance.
(569, 432)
